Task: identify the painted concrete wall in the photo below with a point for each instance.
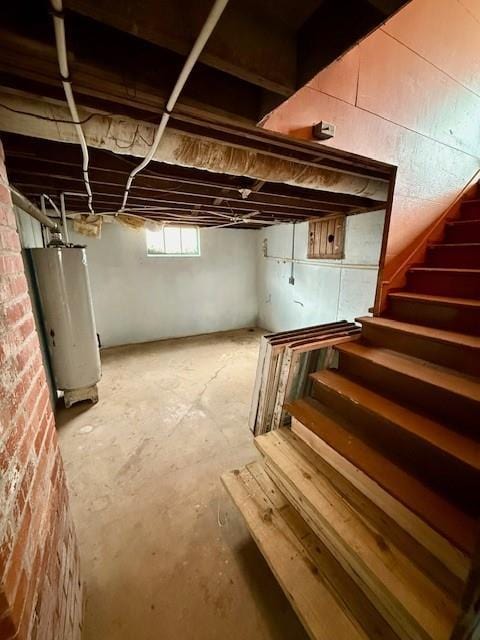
(139, 298)
(409, 94)
(231, 285)
(324, 290)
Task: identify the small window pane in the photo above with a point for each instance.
(189, 240)
(155, 242)
(172, 240)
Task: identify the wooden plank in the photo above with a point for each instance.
(437, 546)
(268, 372)
(413, 605)
(291, 365)
(444, 517)
(326, 600)
(252, 417)
(241, 45)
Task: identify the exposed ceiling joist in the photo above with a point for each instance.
(245, 45)
(165, 191)
(125, 54)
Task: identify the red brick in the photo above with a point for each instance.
(33, 497)
(15, 563)
(9, 239)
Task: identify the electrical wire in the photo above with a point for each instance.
(57, 120)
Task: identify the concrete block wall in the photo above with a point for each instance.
(41, 594)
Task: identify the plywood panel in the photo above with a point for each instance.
(426, 168)
(340, 78)
(431, 172)
(426, 26)
(399, 85)
(472, 6)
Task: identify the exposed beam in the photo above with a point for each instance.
(112, 183)
(58, 184)
(243, 44)
(104, 78)
(35, 157)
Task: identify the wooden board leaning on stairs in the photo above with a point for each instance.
(285, 361)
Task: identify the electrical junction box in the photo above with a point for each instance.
(323, 130)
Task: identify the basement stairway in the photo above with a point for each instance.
(367, 508)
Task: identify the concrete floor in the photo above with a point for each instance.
(165, 555)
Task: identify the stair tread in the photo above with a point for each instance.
(445, 300)
(453, 381)
(452, 523)
(460, 222)
(410, 601)
(450, 270)
(440, 335)
(326, 599)
(411, 533)
(446, 440)
(434, 245)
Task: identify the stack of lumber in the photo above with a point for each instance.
(285, 361)
(354, 562)
(366, 507)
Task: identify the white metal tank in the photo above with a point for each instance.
(64, 290)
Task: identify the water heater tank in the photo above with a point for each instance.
(66, 301)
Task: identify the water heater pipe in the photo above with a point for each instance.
(59, 26)
(209, 25)
(24, 203)
(64, 217)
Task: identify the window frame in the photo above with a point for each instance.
(173, 255)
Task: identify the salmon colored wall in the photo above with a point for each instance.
(409, 95)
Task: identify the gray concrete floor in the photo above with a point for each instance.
(165, 555)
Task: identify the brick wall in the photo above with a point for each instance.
(41, 593)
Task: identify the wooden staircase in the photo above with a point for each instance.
(374, 492)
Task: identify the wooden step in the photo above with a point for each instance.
(443, 516)
(470, 210)
(462, 231)
(415, 383)
(447, 348)
(410, 601)
(443, 458)
(459, 255)
(456, 314)
(324, 596)
(429, 550)
(459, 283)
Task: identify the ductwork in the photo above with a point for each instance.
(123, 135)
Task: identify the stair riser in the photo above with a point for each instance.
(432, 314)
(443, 472)
(456, 257)
(448, 355)
(470, 211)
(467, 232)
(461, 413)
(452, 285)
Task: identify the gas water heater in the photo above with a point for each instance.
(66, 302)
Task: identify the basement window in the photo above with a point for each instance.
(326, 238)
(173, 241)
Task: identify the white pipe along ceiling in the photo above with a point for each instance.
(59, 26)
(209, 25)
